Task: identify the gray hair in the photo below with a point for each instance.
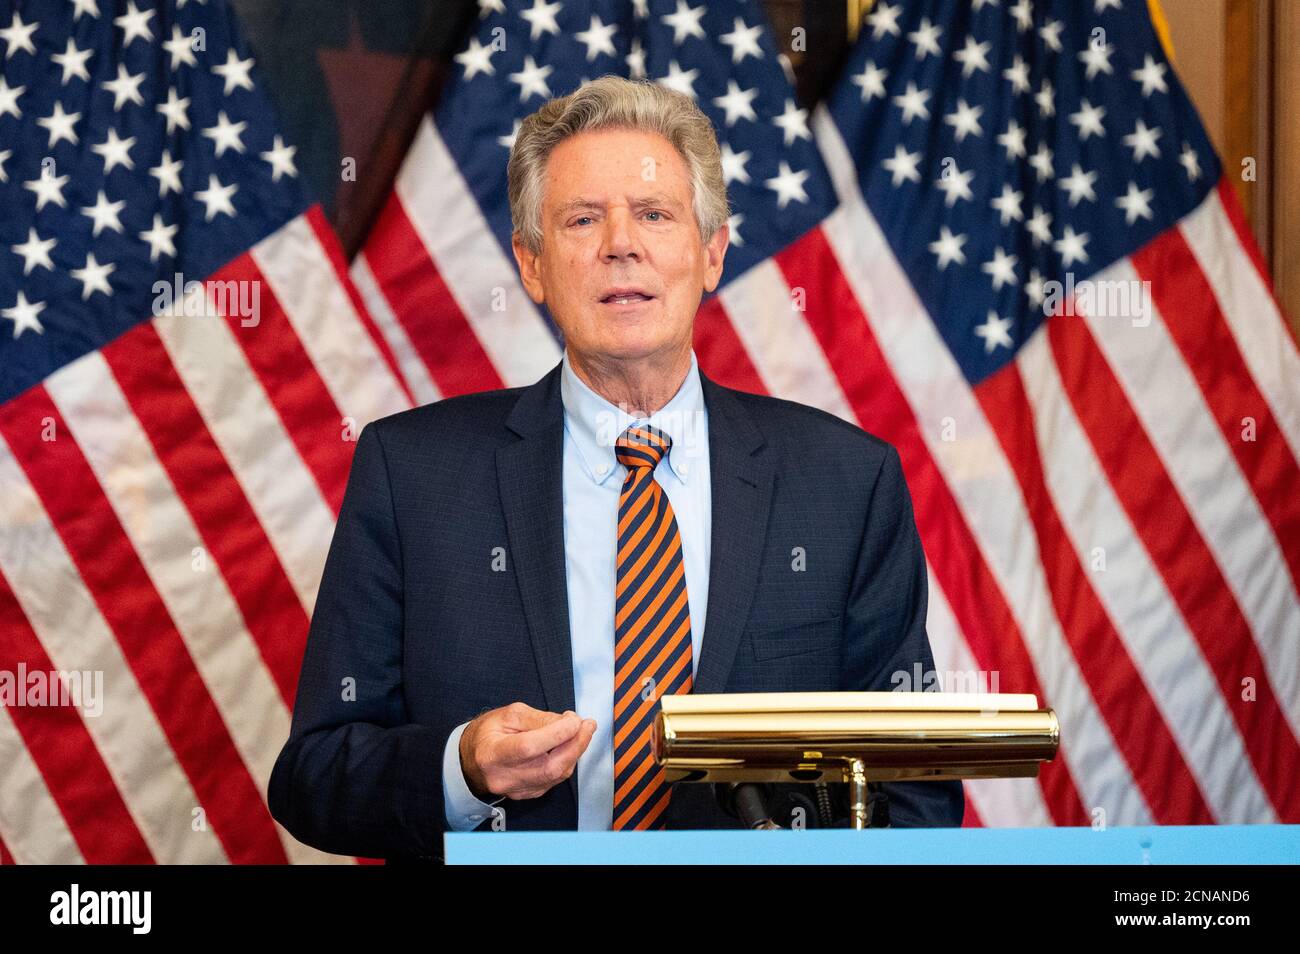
(612, 102)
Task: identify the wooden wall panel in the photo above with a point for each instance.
(1286, 158)
(1240, 62)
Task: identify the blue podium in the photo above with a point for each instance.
(1156, 845)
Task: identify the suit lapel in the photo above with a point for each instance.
(530, 478)
(741, 479)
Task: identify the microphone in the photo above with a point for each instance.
(748, 802)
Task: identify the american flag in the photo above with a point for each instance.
(184, 366)
(1107, 495)
(1106, 498)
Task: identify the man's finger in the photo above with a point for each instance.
(521, 717)
(549, 767)
(572, 749)
(525, 746)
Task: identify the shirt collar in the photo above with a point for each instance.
(594, 424)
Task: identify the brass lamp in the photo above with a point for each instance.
(853, 737)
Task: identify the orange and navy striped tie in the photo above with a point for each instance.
(652, 627)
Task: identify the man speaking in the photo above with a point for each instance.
(518, 576)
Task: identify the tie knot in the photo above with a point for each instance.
(642, 445)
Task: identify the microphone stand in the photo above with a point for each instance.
(746, 800)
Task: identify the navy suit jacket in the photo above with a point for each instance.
(816, 582)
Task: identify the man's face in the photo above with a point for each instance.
(617, 223)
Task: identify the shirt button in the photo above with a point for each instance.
(685, 468)
(602, 469)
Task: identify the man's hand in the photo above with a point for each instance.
(521, 752)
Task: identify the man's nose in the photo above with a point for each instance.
(619, 238)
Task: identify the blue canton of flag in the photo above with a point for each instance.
(135, 143)
(1006, 146)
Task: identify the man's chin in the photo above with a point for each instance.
(631, 348)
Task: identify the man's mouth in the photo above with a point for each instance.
(625, 296)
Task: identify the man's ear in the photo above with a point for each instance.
(529, 273)
(715, 250)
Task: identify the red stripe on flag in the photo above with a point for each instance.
(158, 656)
(1140, 732)
(425, 306)
(5, 857)
(276, 355)
(66, 756)
(720, 352)
(1194, 578)
(1191, 313)
(215, 500)
(329, 242)
(992, 634)
(971, 817)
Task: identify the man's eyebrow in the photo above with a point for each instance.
(656, 199)
(574, 204)
(585, 203)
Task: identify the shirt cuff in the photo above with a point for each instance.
(464, 811)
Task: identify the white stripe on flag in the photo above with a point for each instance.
(1168, 402)
(31, 824)
(280, 488)
(1003, 802)
(1182, 685)
(447, 218)
(322, 315)
(977, 472)
(780, 342)
(76, 638)
(1260, 330)
(408, 359)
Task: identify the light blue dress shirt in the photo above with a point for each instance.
(593, 482)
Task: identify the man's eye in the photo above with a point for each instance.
(653, 212)
(580, 218)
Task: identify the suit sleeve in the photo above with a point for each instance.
(885, 631)
(356, 777)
